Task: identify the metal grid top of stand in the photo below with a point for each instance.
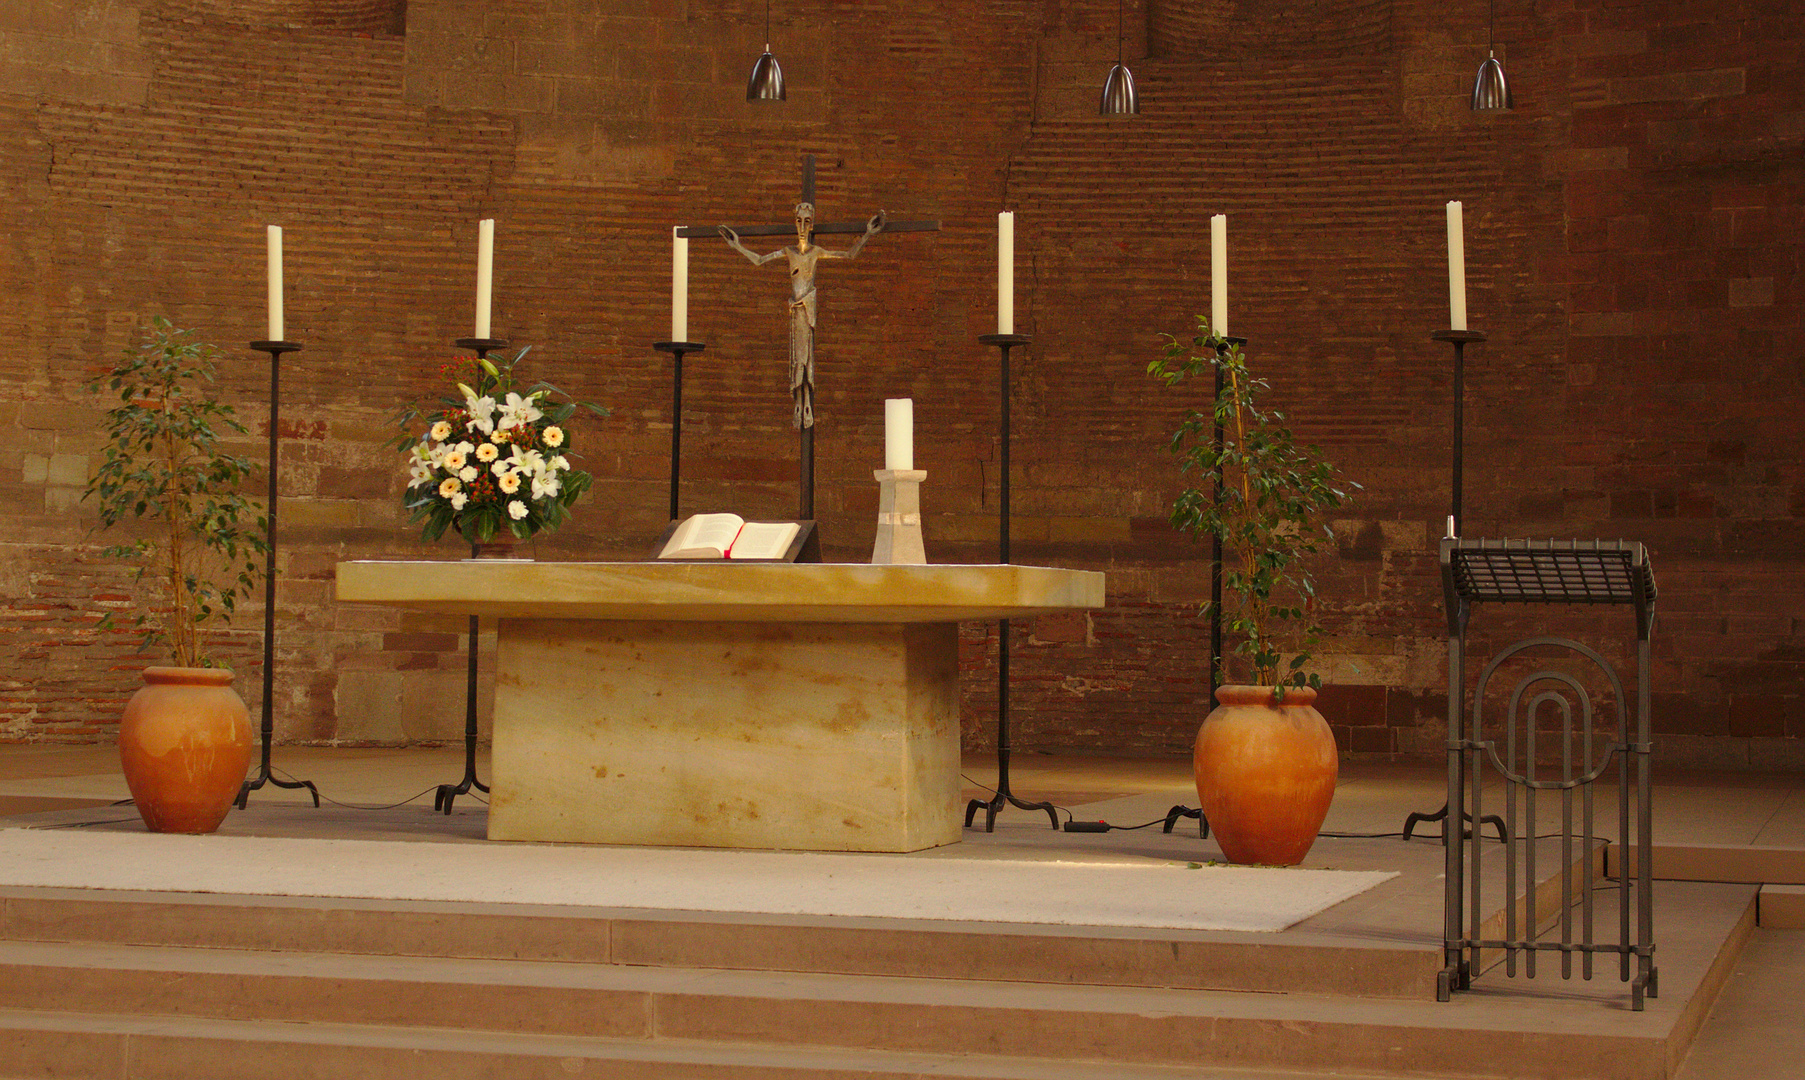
(1549, 571)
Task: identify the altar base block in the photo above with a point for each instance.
(798, 736)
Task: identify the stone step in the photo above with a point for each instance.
(1556, 1031)
(74, 1046)
(1783, 907)
(1320, 964)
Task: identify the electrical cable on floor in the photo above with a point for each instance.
(85, 824)
(357, 806)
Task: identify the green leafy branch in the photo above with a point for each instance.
(1272, 492)
(162, 462)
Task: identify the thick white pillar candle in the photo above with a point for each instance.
(1457, 269)
(679, 286)
(1006, 272)
(899, 433)
(485, 273)
(274, 233)
(1219, 274)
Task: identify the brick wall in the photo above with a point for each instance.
(1633, 249)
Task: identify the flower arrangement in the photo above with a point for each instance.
(491, 460)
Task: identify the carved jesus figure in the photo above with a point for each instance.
(802, 259)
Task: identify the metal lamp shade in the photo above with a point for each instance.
(1119, 98)
(1490, 91)
(766, 83)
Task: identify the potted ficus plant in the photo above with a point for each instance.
(184, 739)
(1265, 759)
(491, 461)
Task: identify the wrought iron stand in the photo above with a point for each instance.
(1182, 811)
(1003, 342)
(264, 776)
(442, 799)
(1460, 339)
(1548, 572)
(677, 349)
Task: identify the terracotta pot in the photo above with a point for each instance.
(185, 745)
(1265, 773)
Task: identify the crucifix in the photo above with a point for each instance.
(803, 260)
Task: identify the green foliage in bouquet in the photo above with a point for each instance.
(491, 459)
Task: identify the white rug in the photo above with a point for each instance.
(1091, 893)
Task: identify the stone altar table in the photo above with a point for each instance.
(801, 706)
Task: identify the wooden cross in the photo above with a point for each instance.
(865, 229)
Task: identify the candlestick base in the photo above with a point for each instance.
(679, 346)
(899, 517)
(276, 347)
(1459, 336)
(481, 345)
(1004, 339)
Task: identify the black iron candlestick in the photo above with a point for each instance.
(1172, 816)
(1003, 342)
(1460, 339)
(677, 349)
(264, 776)
(1216, 539)
(442, 800)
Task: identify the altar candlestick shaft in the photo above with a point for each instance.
(274, 233)
(485, 273)
(679, 286)
(1457, 269)
(899, 433)
(1006, 272)
(1219, 274)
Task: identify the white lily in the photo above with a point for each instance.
(518, 412)
(481, 410)
(530, 461)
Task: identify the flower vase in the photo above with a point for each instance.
(502, 545)
(1265, 773)
(184, 746)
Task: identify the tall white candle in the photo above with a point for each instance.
(485, 273)
(679, 286)
(899, 433)
(1006, 272)
(1457, 269)
(274, 232)
(1219, 274)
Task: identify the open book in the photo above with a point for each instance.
(729, 536)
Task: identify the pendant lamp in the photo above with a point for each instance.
(766, 83)
(1490, 91)
(1119, 98)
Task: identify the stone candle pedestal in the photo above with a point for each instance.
(899, 517)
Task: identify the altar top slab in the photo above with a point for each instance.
(721, 591)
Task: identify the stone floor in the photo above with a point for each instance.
(1756, 1031)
